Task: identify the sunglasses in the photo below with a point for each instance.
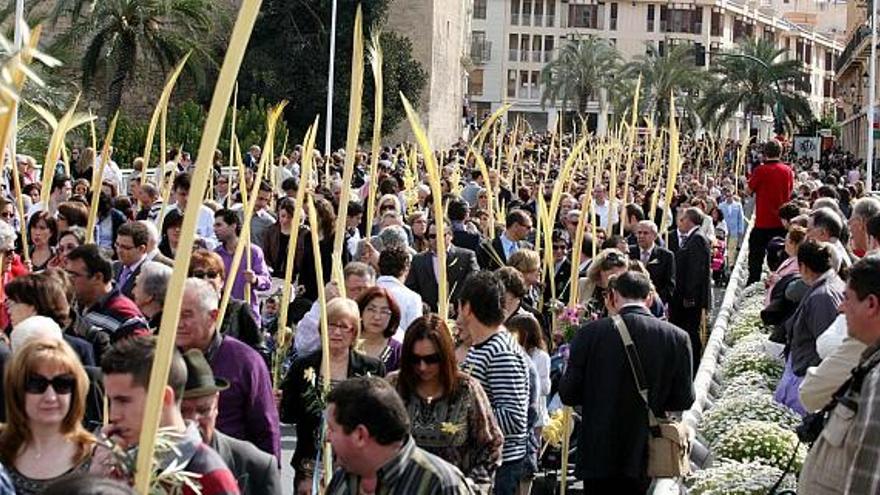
(204, 274)
(61, 384)
(429, 359)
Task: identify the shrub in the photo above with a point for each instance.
(733, 410)
(761, 441)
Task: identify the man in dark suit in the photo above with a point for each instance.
(614, 431)
(692, 294)
(458, 212)
(131, 250)
(660, 262)
(460, 263)
(254, 470)
(493, 254)
(561, 268)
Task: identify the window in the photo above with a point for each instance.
(548, 48)
(526, 13)
(681, 20)
(769, 36)
(550, 19)
(513, 43)
(717, 28)
(536, 85)
(539, 13)
(808, 53)
(828, 88)
(583, 16)
(514, 12)
(661, 48)
(537, 53)
(612, 24)
(480, 9)
(481, 50)
(524, 48)
(511, 83)
(475, 82)
(650, 18)
(523, 84)
(829, 60)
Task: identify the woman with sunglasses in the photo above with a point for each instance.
(68, 240)
(450, 414)
(43, 439)
(301, 401)
(591, 291)
(380, 319)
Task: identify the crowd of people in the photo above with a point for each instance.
(418, 403)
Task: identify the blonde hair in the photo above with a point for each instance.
(342, 308)
(17, 432)
(525, 260)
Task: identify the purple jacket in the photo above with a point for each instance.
(247, 408)
(258, 265)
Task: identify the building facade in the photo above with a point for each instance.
(439, 31)
(852, 80)
(512, 40)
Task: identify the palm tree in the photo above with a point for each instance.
(664, 75)
(583, 72)
(120, 35)
(754, 77)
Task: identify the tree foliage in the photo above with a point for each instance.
(754, 77)
(583, 67)
(288, 58)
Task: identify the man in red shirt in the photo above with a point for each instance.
(771, 183)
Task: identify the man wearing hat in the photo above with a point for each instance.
(255, 470)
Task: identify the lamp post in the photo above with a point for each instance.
(777, 106)
(330, 76)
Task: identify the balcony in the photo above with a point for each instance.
(537, 56)
(514, 55)
(539, 20)
(481, 51)
(852, 47)
(514, 19)
(549, 20)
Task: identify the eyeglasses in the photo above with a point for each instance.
(339, 327)
(429, 359)
(204, 274)
(61, 384)
(378, 311)
(123, 247)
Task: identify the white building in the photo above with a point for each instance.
(512, 40)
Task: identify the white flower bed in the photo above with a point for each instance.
(736, 478)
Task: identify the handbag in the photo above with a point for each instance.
(669, 445)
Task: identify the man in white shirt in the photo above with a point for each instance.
(112, 173)
(205, 222)
(605, 210)
(394, 266)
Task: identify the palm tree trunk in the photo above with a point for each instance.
(602, 121)
(124, 68)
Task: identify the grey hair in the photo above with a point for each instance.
(152, 230)
(393, 236)
(209, 299)
(360, 269)
(153, 279)
(648, 223)
(866, 208)
(7, 236)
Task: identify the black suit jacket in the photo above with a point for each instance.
(255, 471)
(562, 281)
(460, 263)
(672, 241)
(491, 254)
(693, 272)
(661, 267)
(467, 240)
(614, 433)
(128, 287)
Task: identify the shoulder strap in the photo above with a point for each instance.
(635, 365)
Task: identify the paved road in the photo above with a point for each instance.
(288, 443)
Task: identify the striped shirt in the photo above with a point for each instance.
(411, 471)
(862, 442)
(501, 368)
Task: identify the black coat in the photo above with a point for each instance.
(460, 263)
(613, 435)
(295, 407)
(692, 273)
(661, 267)
(491, 254)
(467, 240)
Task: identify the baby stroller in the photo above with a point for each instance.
(720, 269)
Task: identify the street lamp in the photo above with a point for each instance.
(778, 127)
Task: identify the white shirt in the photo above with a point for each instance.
(409, 301)
(204, 224)
(307, 338)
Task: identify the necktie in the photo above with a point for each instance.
(646, 255)
(123, 277)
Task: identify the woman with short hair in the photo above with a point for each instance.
(380, 318)
(301, 401)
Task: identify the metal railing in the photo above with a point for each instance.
(513, 55)
(481, 51)
(858, 37)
